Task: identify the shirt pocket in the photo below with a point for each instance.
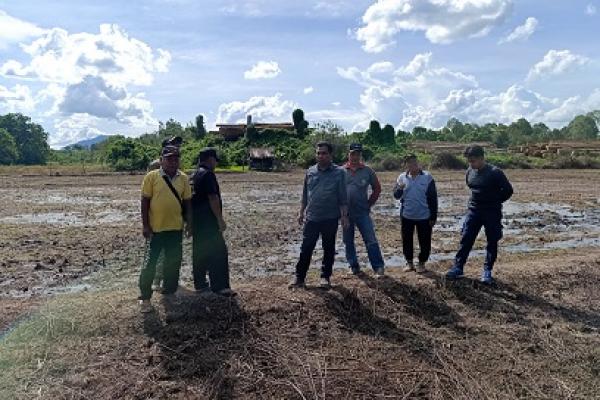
(313, 181)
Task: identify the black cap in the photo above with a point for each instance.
(208, 152)
(173, 141)
(169, 151)
(355, 147)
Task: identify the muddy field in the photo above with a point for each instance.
(70, 327)
(55, 232)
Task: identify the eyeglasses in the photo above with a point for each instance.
(322, 153)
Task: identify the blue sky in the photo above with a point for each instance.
(83, 69)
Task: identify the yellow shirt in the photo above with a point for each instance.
(165, 210)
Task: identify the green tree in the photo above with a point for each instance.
(388, 135)
(583, 127)
(30, 138)
(200, 131)
(520, 131)
(540, 131)
(374, 132)
(300, 124)
(9, 154)
(125, 154)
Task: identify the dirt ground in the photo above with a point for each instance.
(64, 236)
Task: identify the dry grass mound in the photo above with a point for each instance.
(532, 336)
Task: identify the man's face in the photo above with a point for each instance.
(354, 157)
(476, 162)
(323, 155)
(170, 164)
(412, 166)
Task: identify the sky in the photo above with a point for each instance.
(82, 69)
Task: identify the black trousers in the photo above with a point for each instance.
(424, 234)
(312, 230)
(209, 255)
(168, 243)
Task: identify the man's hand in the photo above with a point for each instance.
(301, 218)
(147, 232)
(401, 185)
(345, 222)
(222, 225)
(432, 222)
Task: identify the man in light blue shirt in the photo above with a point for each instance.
(416, 191)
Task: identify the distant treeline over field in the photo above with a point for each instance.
(24, 142)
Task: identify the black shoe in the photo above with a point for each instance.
(297, 283)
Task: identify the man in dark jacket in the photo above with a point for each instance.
(489, 189)
(209, 251)
(324, 204)
(416, 190)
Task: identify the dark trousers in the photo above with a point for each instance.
(312, 230)
(209, 254)
(168, 243)
(424, 235)
(491, 220)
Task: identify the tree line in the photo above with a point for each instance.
(25, 142)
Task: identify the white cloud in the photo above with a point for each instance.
(14, 30)
(262, 109)
(308, 90)
(420, 93)
(522, 32)
(97, 75)
(263, 70)
(591, 9)
(443, 21)
(556, 62)
(17, 99)
(75, 128)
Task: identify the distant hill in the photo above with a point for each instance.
(87, 143)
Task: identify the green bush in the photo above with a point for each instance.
(387, 162)
(582, 162)
(445, 160)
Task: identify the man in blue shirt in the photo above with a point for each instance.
(324, 203)
(416, 190)
(489, 189)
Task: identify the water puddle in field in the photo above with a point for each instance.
(70, 219)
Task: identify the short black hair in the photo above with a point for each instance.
(207, 153)
(326, 144)
(410, 157)
(474, 151)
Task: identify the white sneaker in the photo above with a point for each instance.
(420, 267)
(379, 273)
(408, 267)
(145, 306)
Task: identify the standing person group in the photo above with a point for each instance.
(324, 203)
(331, 195)
(167, 204)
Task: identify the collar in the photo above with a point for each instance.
(330, 166)
(163, 173)
(410, 176)
(349, 166)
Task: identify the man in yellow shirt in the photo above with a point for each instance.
(166, 194)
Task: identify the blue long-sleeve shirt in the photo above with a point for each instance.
(324, 192)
